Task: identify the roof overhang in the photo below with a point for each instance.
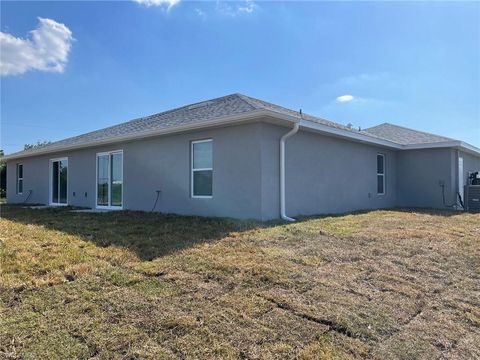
(359, 137)
(273, 116)
(455, 144)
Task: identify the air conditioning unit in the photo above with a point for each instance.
(472, 193)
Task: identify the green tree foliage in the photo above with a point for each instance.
(37, 145)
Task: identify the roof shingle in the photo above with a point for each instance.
(405, 136)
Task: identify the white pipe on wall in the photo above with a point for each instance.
(282, 171)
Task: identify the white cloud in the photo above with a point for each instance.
(168, 3)
(345, 98)
(201, 13)
(233, 9)
(248, 8)
(47, 49)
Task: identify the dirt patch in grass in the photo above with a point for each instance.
(380, 284)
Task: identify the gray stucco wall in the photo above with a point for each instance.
(35, 179)
(420, 173)
(161, 163)
(323, 174)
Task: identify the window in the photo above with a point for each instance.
(461, 182)
(380, 174)
(19, 179)
(110, 179)
(202, 169)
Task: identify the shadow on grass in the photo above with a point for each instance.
(149, 235)
(152, 235)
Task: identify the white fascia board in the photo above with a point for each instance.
(442, 144)
(469, 148)
(456, 144)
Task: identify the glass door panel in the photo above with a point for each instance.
(55, 182)
(110, 179)
(117, 182)
(102, 180)
(59, 182)
(62, 179)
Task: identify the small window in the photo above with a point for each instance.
(380, 174)
(202, 169)
(19, 179)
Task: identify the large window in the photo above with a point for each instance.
(19, 179)
(202, 169)
(380, 174)
(110, 179)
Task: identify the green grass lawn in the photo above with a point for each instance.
(380, 284)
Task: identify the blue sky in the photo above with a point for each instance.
(414, 64)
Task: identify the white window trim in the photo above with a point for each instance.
(19, 178)
(50, 179)
(108, 207)
(382, 174)
(192, 170)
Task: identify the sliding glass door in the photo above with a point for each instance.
(59, 181)
(102, 180)
(110, 180)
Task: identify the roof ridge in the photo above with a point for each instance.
(305, 114)
(373, 127)
(249, 100)
(152, 115)
(175, 109)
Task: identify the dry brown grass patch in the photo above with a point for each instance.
(380, 284)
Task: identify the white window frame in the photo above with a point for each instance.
(108, 207)
(50, 179)
(19, 178)
(381, 174)
(193, 170)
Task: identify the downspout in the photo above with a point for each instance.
(282, 171)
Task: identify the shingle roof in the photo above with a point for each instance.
(199, 112)
(226, 106)
(194, 113)
(230, 105)
(405, 136)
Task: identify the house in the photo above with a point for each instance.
(241, 157)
